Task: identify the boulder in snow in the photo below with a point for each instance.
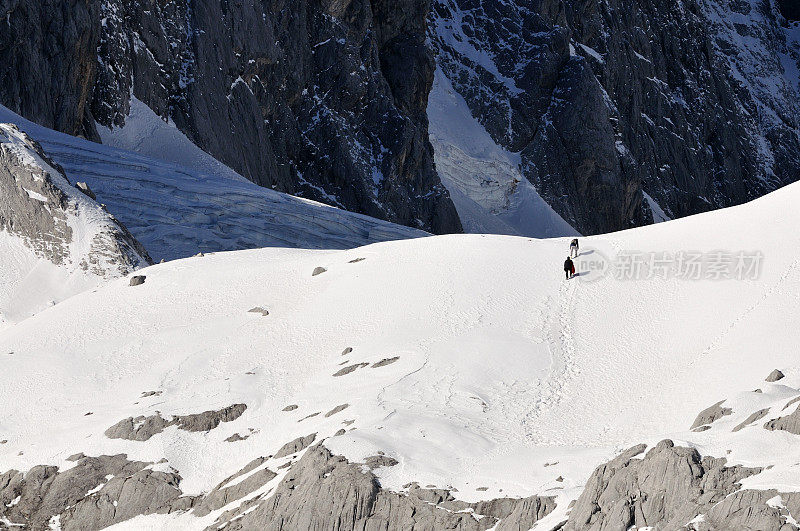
(774, 376)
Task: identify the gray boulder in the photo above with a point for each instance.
(774, 376)
(137, 280)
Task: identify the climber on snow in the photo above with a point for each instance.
(569, 268)
(573, 247)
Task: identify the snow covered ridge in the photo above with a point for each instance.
(55, 240)
(443, 382)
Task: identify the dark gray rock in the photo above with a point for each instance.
(336, 410)
(322, 491)
(138, 280)
(48, 62)
(259, 310)
(774, 376)
(710, 414)
(665, 489)
(350, 368)
(290, 407)
(318, 271)
(297, 445)
(384, 362)
(143, 428)
(83, 187)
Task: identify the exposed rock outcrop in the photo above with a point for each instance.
(42, 208)
(297, 445)
(384, 362)
(790, 423)
(143, 428)
(231, 490)
(710, 414)
(96, 493)
(326, 491)
(350, 368)
(337, 409)
(665, 489)
(755, 416)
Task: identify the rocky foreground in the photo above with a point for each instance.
(662, 487)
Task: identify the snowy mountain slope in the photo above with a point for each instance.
(464, 363)
(54, 240)
(177, 211)
(484, 180)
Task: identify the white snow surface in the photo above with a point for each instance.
(177, 211)
(484, 180)
(503, 365)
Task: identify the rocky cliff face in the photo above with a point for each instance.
(619, 113)
(324, 100)
(620, 110)
(48, 62)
